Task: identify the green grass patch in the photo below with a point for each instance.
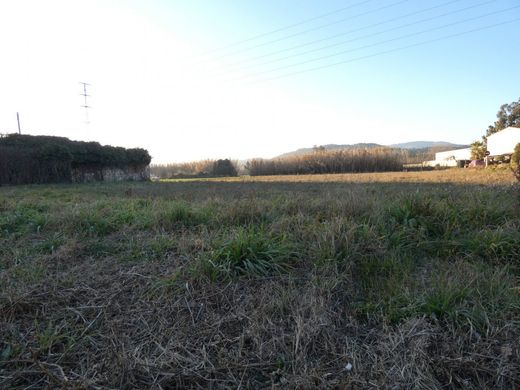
(470, 294)
(176, 215)
(248, 252)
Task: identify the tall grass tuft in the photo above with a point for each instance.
(248, 252)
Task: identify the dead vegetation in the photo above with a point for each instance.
(345, 284)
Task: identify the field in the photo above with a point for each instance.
(393, 280)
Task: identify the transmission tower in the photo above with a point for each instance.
(85, 101)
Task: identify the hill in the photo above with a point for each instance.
(302, 151)
(426, 147)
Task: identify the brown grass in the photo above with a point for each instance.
(412, 278)
(454, 175)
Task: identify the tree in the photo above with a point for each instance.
(478, 150)
(507, 116)
(224, 168)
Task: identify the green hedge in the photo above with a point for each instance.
(44, 159)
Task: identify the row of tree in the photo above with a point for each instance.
(337, 161)
(320, 160)
(195, 169)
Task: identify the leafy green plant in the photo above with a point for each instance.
(249, 252)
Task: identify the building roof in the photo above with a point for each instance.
(457, 154)
(504, 141)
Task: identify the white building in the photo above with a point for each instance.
(449, 158)
(454, 155)
(503, 142)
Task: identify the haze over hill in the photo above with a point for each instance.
(427, 144)
(414, 145)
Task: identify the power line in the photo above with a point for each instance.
(446, 37)
(339, 10)
(375, 34)
(356, 30)
(380, 42)
(311, 29)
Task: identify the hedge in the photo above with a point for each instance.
(28, 159)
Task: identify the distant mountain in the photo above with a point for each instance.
(303, 151)
(427, 145)
(416, 146)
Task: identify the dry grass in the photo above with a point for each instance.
(410, 278)
(456, 176)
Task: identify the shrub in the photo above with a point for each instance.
(515, 161)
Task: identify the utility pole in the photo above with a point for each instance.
(18, 120)
(85, 102)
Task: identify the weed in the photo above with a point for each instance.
(499, 245)
(248, 252)
(341, 239)
(23, 219)
(178, 215)
(51, 244)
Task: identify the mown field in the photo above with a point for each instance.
(394, 280)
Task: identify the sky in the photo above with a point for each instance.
(196, 79)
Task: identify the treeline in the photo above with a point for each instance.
(318, 162)
(340, 161)
(26, 159)
(196, 169)
(415, 156)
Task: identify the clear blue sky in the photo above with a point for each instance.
(161, 80)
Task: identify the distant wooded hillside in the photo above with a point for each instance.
(416, 151)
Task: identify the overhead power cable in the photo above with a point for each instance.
(252, 59)
(288, 27)
(373, 34)
(320, 27)
(381, 42)
(446, 37)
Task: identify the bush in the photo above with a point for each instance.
(515, 161)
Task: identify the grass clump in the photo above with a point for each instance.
(22, 220)
(469, 294)
(341, 240)
(248, 252)
(177, 215)
(498, 245)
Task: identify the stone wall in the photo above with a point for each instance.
(110, 175)
(142, 174)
